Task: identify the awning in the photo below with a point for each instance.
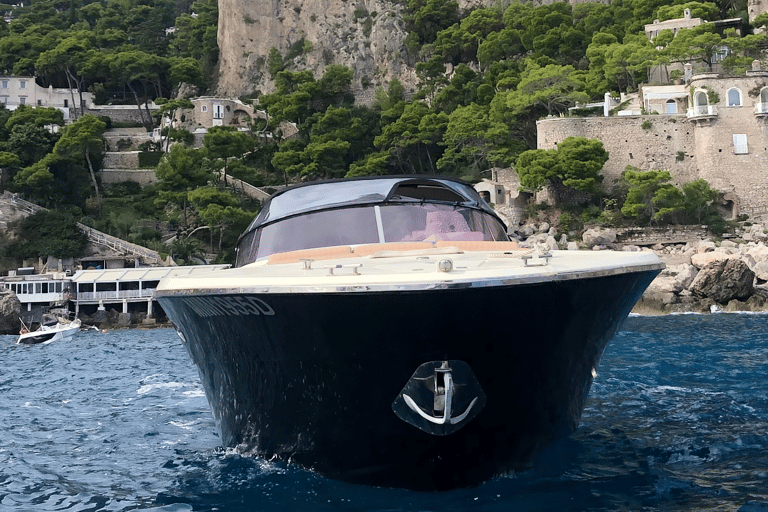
(137, 274)
(664, 95)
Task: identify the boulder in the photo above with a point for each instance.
(724, 280)
(551, 243)
(705, 246)
(761, 271)
(123, 320)
(10, 311)
(527, 230)
(703, 259)
(683, 273)
(665, 284)
(598, 236)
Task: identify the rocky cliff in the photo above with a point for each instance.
(365, 35)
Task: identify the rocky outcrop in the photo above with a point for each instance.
(723, 281)
(700, 276)
(705, 276)
(10, 311)
(367, 37)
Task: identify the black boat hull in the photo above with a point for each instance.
(312, 377)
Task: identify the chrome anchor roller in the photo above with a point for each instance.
(440, 398)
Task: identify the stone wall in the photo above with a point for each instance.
(655, 147)
(121, 160)
(141, 176)
(665, 235)
(690, 148)
(118, 113)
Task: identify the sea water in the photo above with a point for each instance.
(677, 419)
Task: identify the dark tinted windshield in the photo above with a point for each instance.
(370, 224)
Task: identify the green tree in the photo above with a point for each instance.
(179, 172)
(412, 140)
(577, 163)
(552, 88)
(650, 195)
(39, 117)
(67, 58)
(48, 234)
(704, 10)
(226, 142)
(83, 139)
(134, 67)
(425, 18)
(474, 141)
(217, 209)
(698, 201)
(698, 44)
(30, 143)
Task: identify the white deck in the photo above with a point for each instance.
(413, 270)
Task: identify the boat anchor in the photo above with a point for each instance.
(445, 387)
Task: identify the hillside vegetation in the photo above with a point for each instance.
(485, 77)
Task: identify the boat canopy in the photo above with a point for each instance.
(370, 190)
(369, 210)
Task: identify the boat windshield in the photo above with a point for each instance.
(416, 222)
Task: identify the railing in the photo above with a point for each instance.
(114, 243)
(761, 108)
(113, 295)
(702, 110)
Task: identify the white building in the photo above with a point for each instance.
(23, 90)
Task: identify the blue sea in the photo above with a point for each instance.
(677, 419)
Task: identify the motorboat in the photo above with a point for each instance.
(386, 331)
(52, 328)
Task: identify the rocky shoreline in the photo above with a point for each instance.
(700, 277)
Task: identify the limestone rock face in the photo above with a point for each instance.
(10, 310)
(329, 32)
(724, 280)
(367, 37)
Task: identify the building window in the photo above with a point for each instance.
(204, 108)
(720, 54)
(22, 84)
(39, 103)
(4, 99)
(66, 103)
(700, 104)
(734, 97)
(740, 144)
(671, 107)
(22, 100)
(4, 84)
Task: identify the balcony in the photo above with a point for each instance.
(702, 111)
(761, 109)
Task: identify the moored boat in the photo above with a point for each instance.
(386, 332)
(52, 328)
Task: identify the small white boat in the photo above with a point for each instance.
(52, 328)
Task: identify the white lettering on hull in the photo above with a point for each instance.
(218, 306)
